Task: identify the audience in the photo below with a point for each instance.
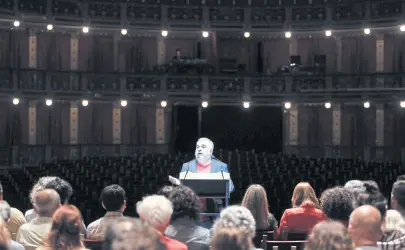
(16, 218)
(401, 177)
(231, 239)
(5, 236)
(113, 200)
(184, 221)
(255, 199)
(398, 197)
(355, 186)
(31, 235)
(375, 199)
(394, 226)
(365, 227)
(65, 230)
(305, 213)
(338, 203)
(157, 211)
(165, 191)
(371, 186)
(329, 235)
(131, 234)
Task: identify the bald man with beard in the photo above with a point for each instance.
(365, 227)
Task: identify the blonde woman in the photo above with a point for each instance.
(329, 235)
(305, 212)
(394, 226)
(255, 200)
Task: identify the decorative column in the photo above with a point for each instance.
(293, 47)
(336, 130)
(379, 129)
(380, 59)
(32, 47)
(74, 124)
(160, 125)
(74, 109)
(291, 128)
(161, 50)
(32, 105)
(116, 52)
(338, 54)
(116, 123)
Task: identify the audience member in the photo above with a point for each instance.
(131, 234)
(338, 203)
(305, 213)
(65, 230)
(255, 199)
(401, 177)
(16, 218)
(184, 226)
(113, 201)
(375, 199)
(394, 226)
(355, 186)
(5, 236)
(231, 239)
(157, 210)
(371, 186)
(329, 235)
(62, 187)
(165, 191)
(398, 197)
(238, 218)
(365, 227)
(31, 235)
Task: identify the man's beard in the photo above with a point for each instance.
(203, 159)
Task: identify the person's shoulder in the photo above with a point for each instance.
(189, 162)
(14, 245)
(16, 213)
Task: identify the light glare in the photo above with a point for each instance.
(85, 29)
(205, 34)
(246, 105)
(287, 34)
(85, 103)
(124, 103)
(328, 33)
(165, 33)
(49, 27)
(402, 104)
(48, 102)
(16, 23)
(328, 105)
(402, 28)
(163, 104)
(246, 34)
(367, 31)
(124, 32)
(204, 104)
(16, 101)
(366, 105)
(287, 105)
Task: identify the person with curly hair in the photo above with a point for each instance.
(338, 203)
(230, 239)
(329, 235)
(65, 230)
(184, 222)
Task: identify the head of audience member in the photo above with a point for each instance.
(62, 187)
(156, 210)
(394, 221)
(356, 186)
(185, 202)
(375, 199)
(304, 193)
(65, 230)
(365, 226)
(231, 239)
(5, 211)
(165, 191)
(113, 198)
(236, 217)
(255, 199)
(131, 234)
(401, 177)
(46, 202)
(338, 203)
(5, 236)
(329, 235)
(371, 186)
(398, 197)
(1, 191)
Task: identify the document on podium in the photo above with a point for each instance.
(204, 176)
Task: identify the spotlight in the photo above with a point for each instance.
(124, 32)
(16, 23)
(366, 105)
(402, 104)
(367, 31)
(85, 29)
(124, 103)
(287, 34)
(165, 33)
(163, 104)
(246, 105)
(205, 34)
(204, 104)
(328, 105)
(85, 103)
(328, 33)
(246, 34)
(48, 102)
(16, 101)
(49, 27)
(287, 105)
(402, 28)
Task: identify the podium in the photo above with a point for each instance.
(208, 185)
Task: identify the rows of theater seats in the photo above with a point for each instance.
(146, 173)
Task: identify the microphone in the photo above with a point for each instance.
(222, 173)
(174, 180)
(188, 168)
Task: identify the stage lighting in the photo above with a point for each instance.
(49, 27)
(16, 101)
(287, 105)
(246, 105)
(328, 105)
(85, 103)
(367, 31)
(16, 23)
(85, 29)
(163, 104)
(402, 28)
(124, 103)
(204, 104)
(366, 105)
(205, 34)
(246, 34)
(124, 32)
(402, 104)
(287, 34)
(328, 33)
(48, 102)
(165, 33)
